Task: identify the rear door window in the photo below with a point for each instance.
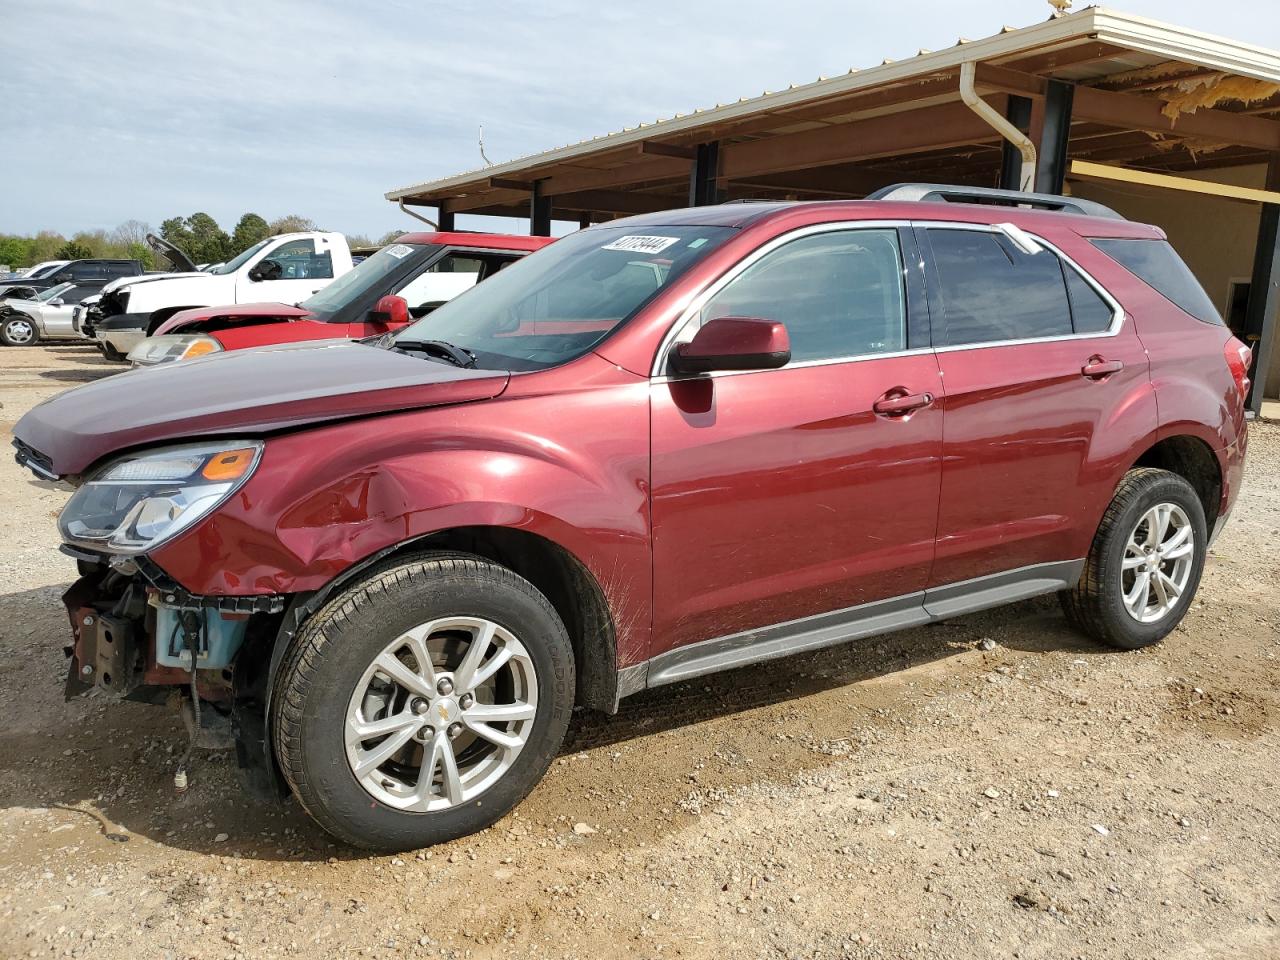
(1158, 265)
(991, 291)
(1090, 313)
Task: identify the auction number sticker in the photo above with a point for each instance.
(400, 251)
(641, 244)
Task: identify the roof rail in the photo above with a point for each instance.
(1010, 198)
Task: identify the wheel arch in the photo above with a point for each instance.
(1193, 459)
(573, 591)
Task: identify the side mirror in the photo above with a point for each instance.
(390, 310)
(56, 302)
(734, 343)
(266, 270)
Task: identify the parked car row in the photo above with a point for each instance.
(656, 449)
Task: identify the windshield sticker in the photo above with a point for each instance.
(641, 244)
(400, 251)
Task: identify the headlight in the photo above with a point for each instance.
(132, 505)
(171, 348)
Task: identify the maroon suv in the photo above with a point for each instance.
(658, 448)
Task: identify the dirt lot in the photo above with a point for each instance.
(912, 796)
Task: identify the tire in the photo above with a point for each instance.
(19, 331)
(110, 352)
(1108, 603)
(328, 679)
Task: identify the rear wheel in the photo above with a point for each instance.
(18, 331)
(424, 703)
(110, 352)
(1145, 563)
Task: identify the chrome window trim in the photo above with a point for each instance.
(658, 374)
(695, 305)
(1117, 311)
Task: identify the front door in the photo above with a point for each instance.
(788, 493)
(296, 269)
(1041, 371)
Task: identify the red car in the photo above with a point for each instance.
(662, 447)
(402, 282)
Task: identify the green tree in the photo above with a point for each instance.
(73, 250)
(176, 231)
(210, 241)
(293, 223)
(251, 229)
(137, 250)
(390, 237)
(15, 251)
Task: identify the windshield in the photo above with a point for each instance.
(557, 304)
(231, 266)
(40, 272)
(371, 273)
(59, 290)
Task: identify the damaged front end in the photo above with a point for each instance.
(138, 636)
(136, 633)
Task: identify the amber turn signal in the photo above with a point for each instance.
(229, 464)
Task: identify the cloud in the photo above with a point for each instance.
(149, 109)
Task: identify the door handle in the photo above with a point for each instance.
(898, 404)
(1097, 369)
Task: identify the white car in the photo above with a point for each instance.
(46, 316)
(287, 268)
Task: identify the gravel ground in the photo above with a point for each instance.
(915, 795)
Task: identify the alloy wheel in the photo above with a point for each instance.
(1158, 560)
(441, 714)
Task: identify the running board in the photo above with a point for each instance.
(851, 623)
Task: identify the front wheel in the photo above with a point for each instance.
(18, 331)
(1145, 562)
(423, 703)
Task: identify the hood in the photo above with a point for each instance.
(241, 393)
(180, 260)
(123, 282)
(233, 314)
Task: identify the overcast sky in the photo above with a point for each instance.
(149, 109)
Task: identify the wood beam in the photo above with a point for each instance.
(1004, 80)
(653, 149)
(617, 201)
(487, 198)
(656, 170)
(1085, 170)
(933, 128)
(503, 183)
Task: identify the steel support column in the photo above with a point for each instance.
(1264, 292)
(703, 189)
(539, 212)
(1019, 114)
(444, 220)
(1051, 166)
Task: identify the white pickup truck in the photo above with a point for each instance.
(287, 268)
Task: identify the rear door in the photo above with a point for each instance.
(784, 494)
(1041, 370)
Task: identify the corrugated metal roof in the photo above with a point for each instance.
(1151, 42)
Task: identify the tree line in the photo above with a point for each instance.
(198, 236)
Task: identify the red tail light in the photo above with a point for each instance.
(1238, 357)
